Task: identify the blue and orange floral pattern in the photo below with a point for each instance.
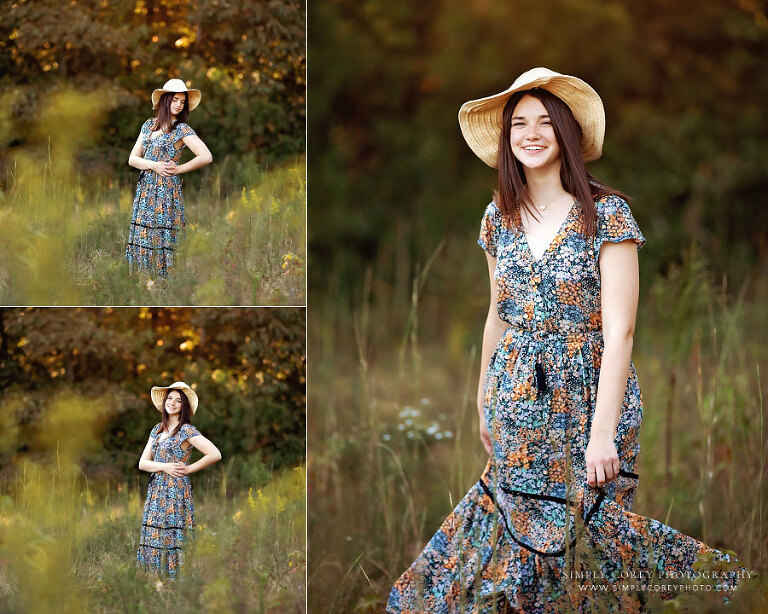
(169, 511)
(158, 205)
(531, 529)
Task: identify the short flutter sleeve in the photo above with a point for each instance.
(615, 223)
(155, 430)
(182, 130)
(490, 229)
(146, 127)
(186, 431)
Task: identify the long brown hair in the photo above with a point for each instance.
(512, 192)
(186, 411)
(164, 118)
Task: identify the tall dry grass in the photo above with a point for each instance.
(64, 228)
(70, 546)
(395, 442)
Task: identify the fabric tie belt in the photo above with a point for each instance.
(542, 334)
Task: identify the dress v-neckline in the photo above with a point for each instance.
(160, 134)
(554, 238)
(151, 139)
(161, 439)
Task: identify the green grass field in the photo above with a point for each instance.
(68, 547)
(62, 241)
(65, 215)
(394, 437)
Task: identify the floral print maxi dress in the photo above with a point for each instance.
(158, 205)
(169, 510)
(532, 522)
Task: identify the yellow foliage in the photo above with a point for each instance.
(205, 544)
(217, 596)
(7, 101)
(38, 223)
(70, 424)
(212, 292)
(69, 121)
(283, 492)
(9, 427)
(39, 549)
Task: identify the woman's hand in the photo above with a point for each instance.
(164, 169)
(602, 460)
(175, 470)
(485, 436)
(494, 329)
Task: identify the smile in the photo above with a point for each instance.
(533, 148)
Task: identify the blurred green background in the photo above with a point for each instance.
(248, 60)
(247, 366)
(399, 289)
(683, 86)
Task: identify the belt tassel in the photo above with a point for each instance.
(541, 379)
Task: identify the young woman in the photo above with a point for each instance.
(558, 401)
(158, 206)
(169, 510)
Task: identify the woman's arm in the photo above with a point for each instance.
(202, 157)
(211, 454)
(147, 464)
(136, 158)
(494, 329)
(619, 288)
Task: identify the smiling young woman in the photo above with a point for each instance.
(558, 398)
(169, 511)
(158, 205)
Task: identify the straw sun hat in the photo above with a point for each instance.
(177, 86)
(480, 120)
(158, 395)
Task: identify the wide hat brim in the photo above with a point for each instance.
(480, 119)
(158, 395)
(177, 86)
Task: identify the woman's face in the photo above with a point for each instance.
(177, 104)
(173, 402)
(532, 136)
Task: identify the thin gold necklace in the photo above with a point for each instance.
(545, 207)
